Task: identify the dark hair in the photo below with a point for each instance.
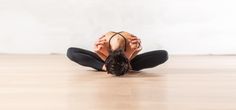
(117, 63)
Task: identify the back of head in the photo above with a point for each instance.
(117, 63)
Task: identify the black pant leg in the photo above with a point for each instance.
(85, 58)
(149, 59)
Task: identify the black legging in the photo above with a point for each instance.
(141, 61)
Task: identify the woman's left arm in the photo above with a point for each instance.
(135, 45)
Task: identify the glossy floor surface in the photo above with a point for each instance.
(52, 82)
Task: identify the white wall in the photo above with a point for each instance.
(179, 26)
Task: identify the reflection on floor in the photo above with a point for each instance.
(52, 82)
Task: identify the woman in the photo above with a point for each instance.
(117, 53)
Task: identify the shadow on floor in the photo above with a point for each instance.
(131, 74)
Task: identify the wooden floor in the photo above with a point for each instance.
(52, 82)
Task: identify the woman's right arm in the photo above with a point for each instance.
(101, 48)
(101, 55)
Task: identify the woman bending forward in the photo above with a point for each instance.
(117, 53)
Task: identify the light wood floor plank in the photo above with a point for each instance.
(52, 82)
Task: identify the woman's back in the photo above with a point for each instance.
(117, 41)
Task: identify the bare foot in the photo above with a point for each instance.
(104, 68)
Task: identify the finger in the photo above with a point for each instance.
(133, 35)
(102, 37)
(138, 41)
(99, 47)
(134, 38)
(101, 40)
(135, 41)
(100, 43)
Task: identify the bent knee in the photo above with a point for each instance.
(70, 52)
(162, 55)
